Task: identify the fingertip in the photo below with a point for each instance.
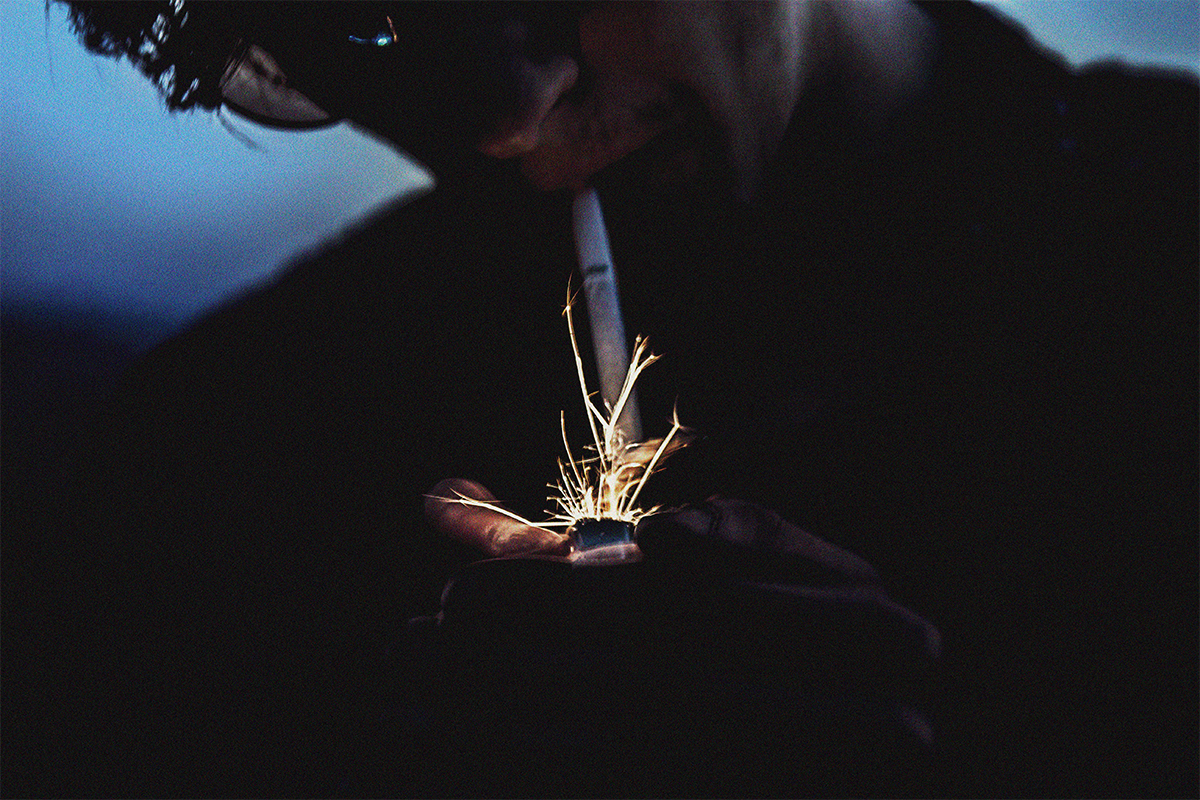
(455, 488)
(528, 540)
(489, 529)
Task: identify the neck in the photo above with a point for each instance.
(878, 50)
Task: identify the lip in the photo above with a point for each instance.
(579, 137)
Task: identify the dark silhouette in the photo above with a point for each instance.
(960, 343)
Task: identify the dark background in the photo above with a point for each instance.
(66, 338)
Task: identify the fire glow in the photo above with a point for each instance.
(606, 483)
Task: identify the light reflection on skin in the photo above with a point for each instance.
(747, 63)
(605, 485)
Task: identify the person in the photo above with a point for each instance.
(923, 291)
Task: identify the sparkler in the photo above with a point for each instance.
(596, 496)
(603, 486)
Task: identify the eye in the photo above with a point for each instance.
(382, 38)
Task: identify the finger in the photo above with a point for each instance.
(919, 634)
(488, 530)
(728, 532)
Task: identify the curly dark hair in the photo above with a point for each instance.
(183, 47)
(449, 71)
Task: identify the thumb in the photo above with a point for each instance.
(489, 530)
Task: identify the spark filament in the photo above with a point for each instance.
(607, 482)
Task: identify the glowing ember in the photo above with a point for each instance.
(606, 483)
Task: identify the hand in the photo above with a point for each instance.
(736, 536)
(734, 540)
(801, 594)
(740, 652)
(491, 532)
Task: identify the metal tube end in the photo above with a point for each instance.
(599, 542)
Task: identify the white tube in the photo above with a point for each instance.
(604, 309)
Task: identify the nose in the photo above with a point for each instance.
(540, 87)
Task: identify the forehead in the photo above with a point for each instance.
(455, 51)
(427, 75)
(442, 29)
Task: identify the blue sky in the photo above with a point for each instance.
(110, 202)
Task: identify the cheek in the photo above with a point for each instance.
(579, 139)
(540, 87)
(625, 38)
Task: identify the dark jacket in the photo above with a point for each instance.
(961, 344)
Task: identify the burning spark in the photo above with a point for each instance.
(607, 483)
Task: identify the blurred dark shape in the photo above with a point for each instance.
(182, 52)
(447, 72)
(955, 345)
(57, 363)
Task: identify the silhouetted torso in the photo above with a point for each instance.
(962, 346)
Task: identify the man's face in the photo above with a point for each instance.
(577, 109)
(559, 86)
(566, 88)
